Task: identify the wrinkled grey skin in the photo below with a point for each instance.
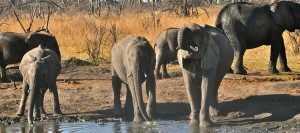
(203, 70)
(249, 26)
(40, 68)
(133, 62)
(14, 45)
(166, 43)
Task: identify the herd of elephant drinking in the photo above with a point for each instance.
(204, 53)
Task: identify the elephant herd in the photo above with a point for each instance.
(204, 53)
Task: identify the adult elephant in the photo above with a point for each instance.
(166, 43)
(13, 46)
(249, 26)
(133, 62)
(205, 55)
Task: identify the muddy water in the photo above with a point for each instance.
(113, 127)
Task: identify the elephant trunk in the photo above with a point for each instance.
(138, 90)
(33, 93)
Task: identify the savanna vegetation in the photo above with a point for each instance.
(87, 30)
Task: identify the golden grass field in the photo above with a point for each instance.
(72, 28)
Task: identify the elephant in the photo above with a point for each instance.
(39, 68)
(133, 62)
(13, 46)
(205, 55)
(249, 26)
(166, 43)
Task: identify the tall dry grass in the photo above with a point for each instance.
(72, 28)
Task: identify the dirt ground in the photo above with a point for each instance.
(254, 101)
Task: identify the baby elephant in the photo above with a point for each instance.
(133, 62)
(40, 68)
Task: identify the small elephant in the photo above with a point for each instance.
(40, 68)
(14, 45)
(133, 62)
(166, 43)
(249, 26)
(205, 55)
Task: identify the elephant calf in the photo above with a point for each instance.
(205, 55)
(133, 62)
(166, 43)
(40, 68)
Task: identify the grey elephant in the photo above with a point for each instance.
(249, 26)
(133, 62)
(166, 43)
(205, 55)
(13, 46)
(40, 68)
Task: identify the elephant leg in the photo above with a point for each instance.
(116, 84)
(53, 91)
(24, 99)
(283, 61)
(37, 105)
(159, 58)
(192, 85)
(208, 77)
(4, 78)
(276, 44)
(239, 67)
(128, 106)
(151, 93)
(42, 102)
(165, 72)
(214, 108)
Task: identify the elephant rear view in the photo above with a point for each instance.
(249, 26)
(166, 43)
(133, 62)
(40, 68)
(13, 46)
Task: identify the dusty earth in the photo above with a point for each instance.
(255, 101)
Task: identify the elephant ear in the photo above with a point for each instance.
(283, 15)
(211, 56)
(185, 39)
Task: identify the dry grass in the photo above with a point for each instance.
(71, 29)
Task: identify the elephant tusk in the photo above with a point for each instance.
(195, 49)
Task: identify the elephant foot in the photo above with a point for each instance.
(273, 70)
(285, 69)
(58, 114)
(194, 122)
(158, 76)
(5, 80)
(241, 71)
(43, 112)
(138, 119)
(31, 123)
(207, 123)
(165, 76)
(213, 111)
(230, 71)
(20, 113)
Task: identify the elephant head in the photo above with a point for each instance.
(196, 43)
(48, 40)
(286, 14)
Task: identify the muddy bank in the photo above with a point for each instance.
(255, 101)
